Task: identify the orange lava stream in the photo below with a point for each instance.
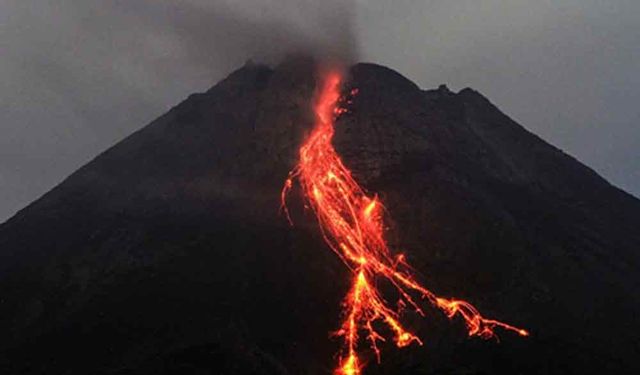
(352, 225)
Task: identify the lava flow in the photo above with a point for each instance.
(352, 225)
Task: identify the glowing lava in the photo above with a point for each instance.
(352, 225)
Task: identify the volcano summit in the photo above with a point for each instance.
(167, 253)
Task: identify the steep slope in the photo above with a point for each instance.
(167, 254)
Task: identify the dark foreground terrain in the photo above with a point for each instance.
(167, 254)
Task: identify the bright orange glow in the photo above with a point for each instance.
(352, 225)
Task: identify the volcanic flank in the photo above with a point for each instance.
(168, 253)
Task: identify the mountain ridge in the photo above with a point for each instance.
(167, 251)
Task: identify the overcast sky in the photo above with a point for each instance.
(79, 75)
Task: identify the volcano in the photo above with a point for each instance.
(169, 253)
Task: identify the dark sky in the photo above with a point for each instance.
(79, 75)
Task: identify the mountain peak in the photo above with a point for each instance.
(168, 252)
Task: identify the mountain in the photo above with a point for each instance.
(168, 253)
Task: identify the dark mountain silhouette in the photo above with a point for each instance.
(166, 254)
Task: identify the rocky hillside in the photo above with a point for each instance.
(167, 254)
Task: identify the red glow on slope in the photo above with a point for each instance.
(352, 225)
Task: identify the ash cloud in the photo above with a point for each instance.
(215, 33)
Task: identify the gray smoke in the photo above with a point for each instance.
(223, 33)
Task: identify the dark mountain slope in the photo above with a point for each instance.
(166, 254)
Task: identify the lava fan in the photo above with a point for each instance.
(351, 222)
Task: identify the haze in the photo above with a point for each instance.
(78, 76)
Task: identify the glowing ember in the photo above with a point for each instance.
(352, 225)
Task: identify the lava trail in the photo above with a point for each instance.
(352, 225)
